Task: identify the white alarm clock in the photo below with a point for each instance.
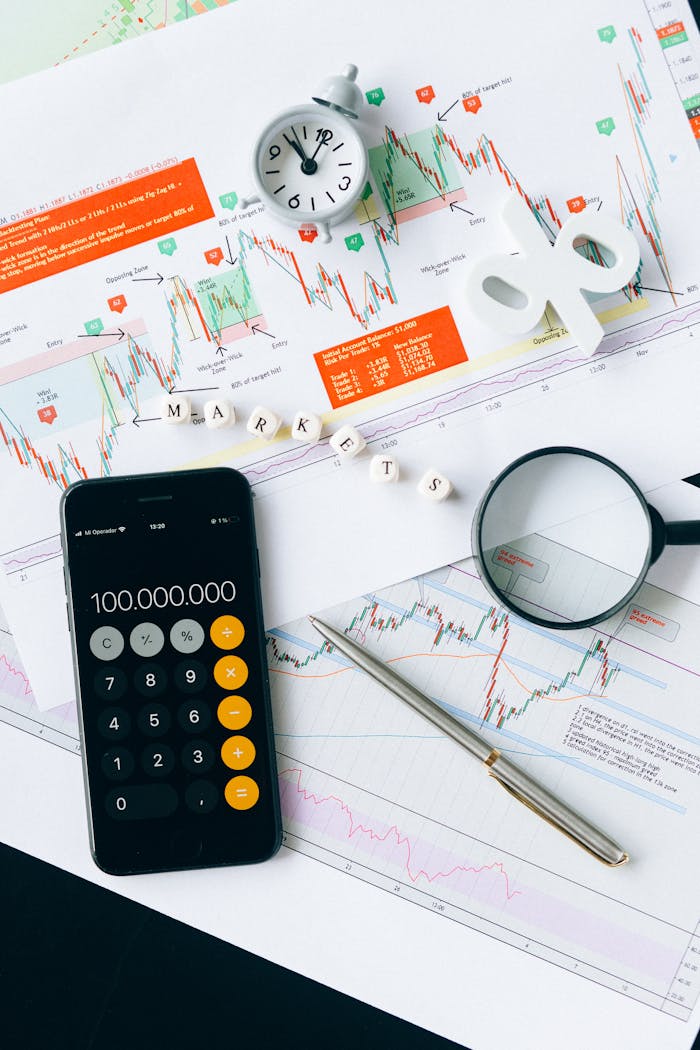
(310, 163)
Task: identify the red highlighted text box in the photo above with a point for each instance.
(390, 357)
(93, 227)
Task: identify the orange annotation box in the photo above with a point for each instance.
(390, 357)
(90, 228)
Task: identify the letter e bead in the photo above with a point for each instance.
(347, 442)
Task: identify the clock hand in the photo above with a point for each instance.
(308, 164)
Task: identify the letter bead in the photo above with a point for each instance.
(347, 442)
(264, 423)
(219, 414)
(435, 486)
(307, 427)
(175, 408)
(384, 468)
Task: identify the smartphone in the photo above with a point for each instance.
(164, 609)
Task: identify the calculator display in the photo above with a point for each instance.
(164, 607)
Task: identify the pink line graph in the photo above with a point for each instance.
(338, 821)
(13, 680)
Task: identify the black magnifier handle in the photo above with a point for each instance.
(675, 533)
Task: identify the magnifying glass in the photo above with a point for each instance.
(564, 538)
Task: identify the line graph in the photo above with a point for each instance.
(370, 790)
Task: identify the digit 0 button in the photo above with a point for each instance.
(238, 752)
(234, 712)
(227, 632)
(230, 672)
(241, 793)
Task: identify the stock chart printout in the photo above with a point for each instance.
(128, 270)
(376, 802)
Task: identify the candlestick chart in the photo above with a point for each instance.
(372, 789)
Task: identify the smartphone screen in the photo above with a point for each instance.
(162, 585)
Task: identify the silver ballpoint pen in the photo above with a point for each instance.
(511, 777)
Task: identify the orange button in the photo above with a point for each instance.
(234, 712)
(230, 672)
(241, 793)
(227, 632)
(238, 752)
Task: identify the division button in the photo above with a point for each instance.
(143, 802)
(147, 639)
(106, 643)
(242, 793)
(187, 636)
(230, 672)
(234, 712)
(227, 632)
(238, 752)
(201, 796)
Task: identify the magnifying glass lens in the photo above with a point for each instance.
(563, 537)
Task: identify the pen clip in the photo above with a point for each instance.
(540, 813)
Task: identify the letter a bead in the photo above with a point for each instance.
(263, 423)
(435, 486)
(384, 468)
(175, 408)
(219, 414)
(347, 442)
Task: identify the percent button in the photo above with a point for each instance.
(187, 636)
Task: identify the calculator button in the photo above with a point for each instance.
(227, 632)
(187, 636)
(241, 793)
(143, 802)
(194, 717)
(150, 680)
(158, 760)
(238, 752)
(230, 672)
(154, 719)
(117, 763)
(110, 683)
(201, 796)
(147, 639)
(234, 712)
(190, 676)
(114, 723)
(106, 643)
(197, 756)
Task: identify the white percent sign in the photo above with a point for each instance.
(553, 273)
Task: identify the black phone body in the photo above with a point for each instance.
(164, 608)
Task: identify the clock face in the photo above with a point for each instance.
(312, 163)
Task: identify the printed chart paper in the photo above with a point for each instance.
(128, 269)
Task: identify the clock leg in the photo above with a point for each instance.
(245, 202)
(324, 230)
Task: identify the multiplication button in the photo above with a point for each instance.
(230, 672)
(107, 643)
